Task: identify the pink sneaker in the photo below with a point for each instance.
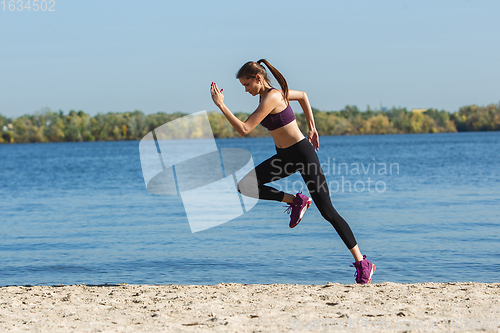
(364, 271)
(299, 206)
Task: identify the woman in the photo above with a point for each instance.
(294, 153)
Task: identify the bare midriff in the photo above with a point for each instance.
(287, 135)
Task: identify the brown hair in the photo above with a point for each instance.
(252, 68)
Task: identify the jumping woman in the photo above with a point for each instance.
(295, 153)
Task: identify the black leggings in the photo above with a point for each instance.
(299, 157)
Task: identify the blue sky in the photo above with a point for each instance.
(102, 56)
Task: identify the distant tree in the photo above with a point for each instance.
(475, 118)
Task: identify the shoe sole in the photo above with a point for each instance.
(302, 212)
(371, 274)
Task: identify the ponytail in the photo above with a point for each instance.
(251, 69)
(278, 76)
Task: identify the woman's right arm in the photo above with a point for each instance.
(301, 97)
(244, 127)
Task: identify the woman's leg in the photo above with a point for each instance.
(356, 253)
(272, 169)
(318, 188)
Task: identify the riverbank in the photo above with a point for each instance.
(246, 308)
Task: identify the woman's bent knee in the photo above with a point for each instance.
(248, 187)
(239, 187)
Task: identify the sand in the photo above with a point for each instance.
(384, 307)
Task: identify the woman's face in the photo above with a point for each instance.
(252, 85)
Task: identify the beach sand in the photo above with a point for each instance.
(384, 307)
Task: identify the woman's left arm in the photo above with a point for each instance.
(301, 97)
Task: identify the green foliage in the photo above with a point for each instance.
(50, 126)
(475, 118)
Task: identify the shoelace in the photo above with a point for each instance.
(288, 210)
(358, 271)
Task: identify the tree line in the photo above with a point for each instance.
(50, 126)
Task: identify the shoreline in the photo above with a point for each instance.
(233, 307)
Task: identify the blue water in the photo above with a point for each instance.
(79, 213)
